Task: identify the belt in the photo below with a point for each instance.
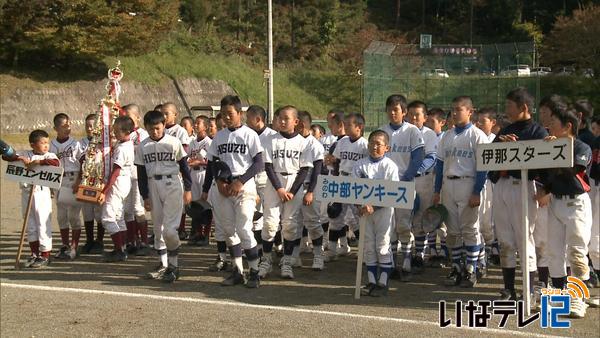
(343, 173)
(425, 174)
(286, 174)
(566, 197)
(160, 177)
(452, 177)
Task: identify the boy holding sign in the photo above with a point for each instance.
(39, 224)
(378, 219)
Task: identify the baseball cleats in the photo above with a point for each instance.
(171, 274)
(379, 290)
(183, 235)
(97, 248)
(265, 266)
(115, 256)
(30, 261)
(219, 265)
(455, 276)
(318, 263)
(157, 273)
(469, 280)
(481, 271)
(63, 253)
(253, 281)
(507, 294)
(235, 278)
(287, 271)
(73, 253)
(366, 289)
(40, 262)
(344, 250)
(87, 248)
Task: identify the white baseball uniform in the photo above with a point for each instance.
(68, 208)
(459, 154)
(178, 132)
(134, 205)
(165, 186)
(237, 148)
(113, 217)
(261, 179)
(379, 224)
(287, 155)
(198, 150)
(91, 211)
(311, 214)
(39, 224)
(485, 208)
(348, 152)
(403, 141)
(424, 182)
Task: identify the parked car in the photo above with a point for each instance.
(541, 71)
(516, 70)
(437, 72)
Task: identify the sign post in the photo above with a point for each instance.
(525, 155)
(362, 191)
(48, 176)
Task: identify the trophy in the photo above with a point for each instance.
(97, 164)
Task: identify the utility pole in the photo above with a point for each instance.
(270, 43)
(471, 29)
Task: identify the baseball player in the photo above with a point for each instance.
(287, 163)
(594, 247)
(68, 150)
(187, 123)
(485, 119)
(456, 170)
(118, 188)
(197, 162)
(317, 131)
(172, 128)
(347, 151)
(507, 192)
(423, 179)
(570, 209)
(407, 150)
(212, 128)
(238, 147)
(377, 252)
(311, 208)
(91, 211)
(255, 119)
(160, 159)
(135, 214)
(39, 224)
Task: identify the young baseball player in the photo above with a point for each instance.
(187, 123)
(39, 224)
(236, 148)
(172, 128)
(317, 131)
(118, 188)
(135, 214)
(570, 209)
(423, 179)
(377, 252)
(507, 192)
(68, 150)
(91, 211)
(160, 160)
(347, 151)
(212, 128)
(197, 162)
(456, 170)
(407, 150)
(485, 119)
(311, 208)
(287, 162)
(255, 119)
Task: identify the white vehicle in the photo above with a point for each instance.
(438, 72)
(516, 70)
(541, 71)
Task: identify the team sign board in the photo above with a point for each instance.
(362, 191)
(536, 154)
(44, 175)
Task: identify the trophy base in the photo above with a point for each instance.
(88, 194)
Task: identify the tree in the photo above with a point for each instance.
(574, 40)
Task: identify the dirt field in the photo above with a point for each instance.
(86, 297)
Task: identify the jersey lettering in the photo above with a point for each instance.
(65, 153)
(347, 155)
(161, 157)
(290, 154)
(232, 148)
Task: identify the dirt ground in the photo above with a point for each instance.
(87, 297)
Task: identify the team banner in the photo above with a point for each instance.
(44, 175)
(537, 154)
(362, 191)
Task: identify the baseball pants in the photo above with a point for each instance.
(594, 247)
(166, 196)
(91, 212)
(378, 228)
(540, 237)
(134, 205)
(113, 217)
(68, 209)
(235, 213)
(220, 235)
(507, 220)
(310, 217)
(569, 222)
(261, 183)
(348, 215)
(288, 213)
(486, 226)
(39, 224)
(424, 188)
(462, 224)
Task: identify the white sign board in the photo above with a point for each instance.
(536, 154)
(44, 175)
(425, 42)
(362, 191)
